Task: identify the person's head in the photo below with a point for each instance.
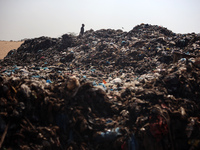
(83, 25)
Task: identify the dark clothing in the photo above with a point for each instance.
(82, 30)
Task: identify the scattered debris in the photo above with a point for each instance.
(107, 89)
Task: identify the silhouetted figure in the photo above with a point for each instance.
(82, 30)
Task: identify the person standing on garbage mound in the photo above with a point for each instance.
(82, 30)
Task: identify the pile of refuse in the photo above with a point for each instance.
(107, 89)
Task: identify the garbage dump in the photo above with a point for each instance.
(108, 89)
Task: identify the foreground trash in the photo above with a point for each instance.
(106, 90)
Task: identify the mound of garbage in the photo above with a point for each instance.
(107, 89)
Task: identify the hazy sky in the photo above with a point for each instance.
(21, 19)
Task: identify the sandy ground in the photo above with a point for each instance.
(6, 46)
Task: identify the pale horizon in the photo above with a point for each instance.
(23, 19)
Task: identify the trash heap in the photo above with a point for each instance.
(108, 89)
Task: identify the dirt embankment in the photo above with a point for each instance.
(6, 46)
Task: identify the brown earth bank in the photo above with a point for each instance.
(6, 46)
